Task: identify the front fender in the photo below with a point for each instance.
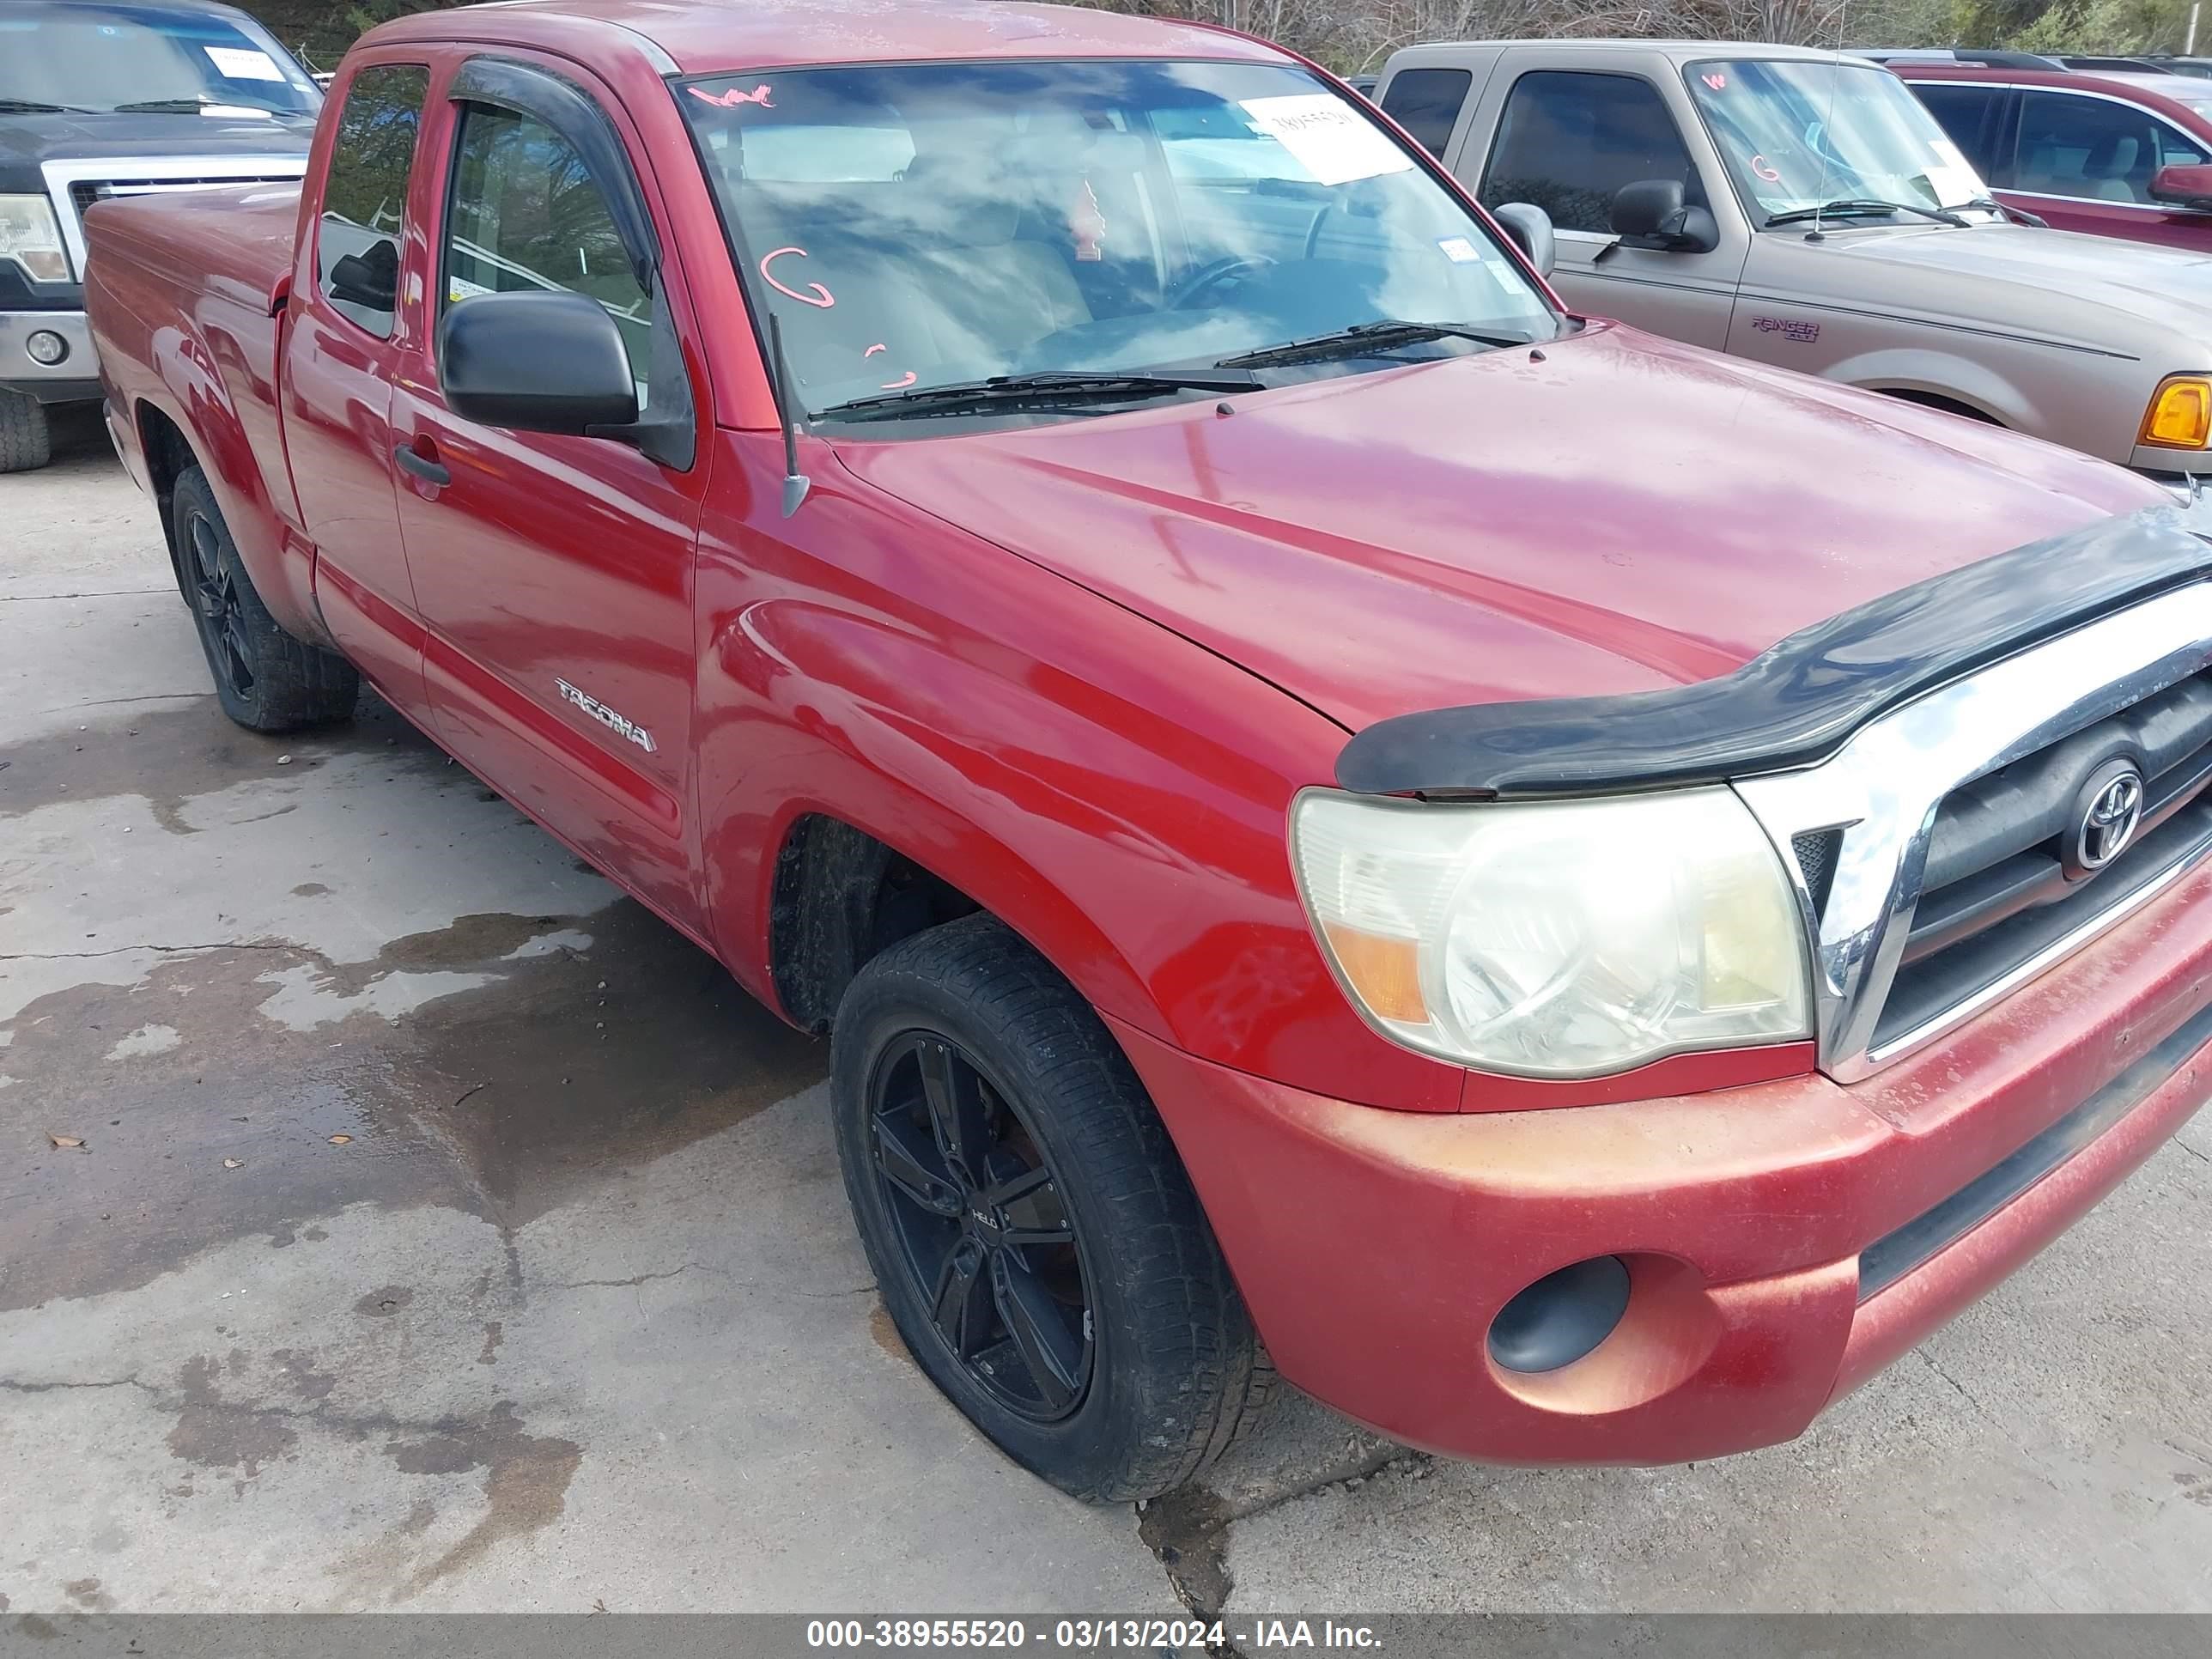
(1112, 792)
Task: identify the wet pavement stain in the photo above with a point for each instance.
(494, 1333)
(560, 1070)
(382, 1304)
(885, 1334)
(297, 1370)
(526, 1480)
(177, 753)
(216, 1433)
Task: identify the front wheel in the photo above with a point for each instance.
(1033, 1233)
(267, 680)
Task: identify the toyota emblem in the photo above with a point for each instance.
(2114, 808)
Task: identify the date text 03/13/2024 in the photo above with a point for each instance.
(1085, 1635)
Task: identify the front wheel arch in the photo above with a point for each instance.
(1949, 405)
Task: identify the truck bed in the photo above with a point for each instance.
(187, 286)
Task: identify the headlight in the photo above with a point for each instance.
(1572, 939)
(2180, 413)
(29, 236)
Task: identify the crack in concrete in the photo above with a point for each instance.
(90, 594)
(719, 1272)
(2035, 1460)
(320, 1414)
(158, 949)
(1187, 1532)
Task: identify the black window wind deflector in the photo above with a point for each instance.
(1794, 704)
(571, 112)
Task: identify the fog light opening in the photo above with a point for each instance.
(46, 347)
(1562, 1317)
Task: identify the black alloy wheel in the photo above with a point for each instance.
(265, 678)
(982, 1229)
(217, 608)
(1034, 1236)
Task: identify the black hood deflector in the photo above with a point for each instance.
(1794, 704)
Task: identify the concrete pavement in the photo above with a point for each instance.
(448, 1234)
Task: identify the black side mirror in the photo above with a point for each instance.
(1531, 228)
(537, 360)
(1651, 213)
(369, 279)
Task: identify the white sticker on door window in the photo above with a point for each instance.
(1327, 137)
(243, 64)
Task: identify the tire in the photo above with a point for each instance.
(267, 680)
(1167, 1372)
(25, 435)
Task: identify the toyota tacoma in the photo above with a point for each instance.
(1577, 893)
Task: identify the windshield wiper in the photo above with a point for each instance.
(1040, 390)
(1845, 210)
(32, 106)
(188, 106)
(1384, 336)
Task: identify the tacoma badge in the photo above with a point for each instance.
(607, 717)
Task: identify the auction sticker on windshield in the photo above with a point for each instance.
(243, 64)
(1327, 137)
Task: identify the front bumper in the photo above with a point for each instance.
(72, 377)
(1375, 1248)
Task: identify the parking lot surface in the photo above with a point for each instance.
(391, 1215)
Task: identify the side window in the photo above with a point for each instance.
(2086, 148)
(366, 193)
(525, 213)
(1426, 102)
(1568, 140)
(1964, 113)
(2176, 148)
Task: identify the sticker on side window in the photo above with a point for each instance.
(460, 287)
(1327, 137)
(243, 64)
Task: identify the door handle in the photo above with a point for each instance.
(427, 468)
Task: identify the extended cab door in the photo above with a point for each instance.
(345, 334)
(555, 572)
(1568, 139)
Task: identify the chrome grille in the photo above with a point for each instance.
(75, 183)
(1930, 852)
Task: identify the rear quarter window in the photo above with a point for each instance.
(365, 195)
(1426, 103)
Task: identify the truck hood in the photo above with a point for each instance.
(1624, 515)
(2053, 284)
(27, 141)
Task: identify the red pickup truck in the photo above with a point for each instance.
(1585, 893)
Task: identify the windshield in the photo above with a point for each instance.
(97, 59)
(1799, 134)
(924, 225)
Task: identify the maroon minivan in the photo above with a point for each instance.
(2111, 154)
